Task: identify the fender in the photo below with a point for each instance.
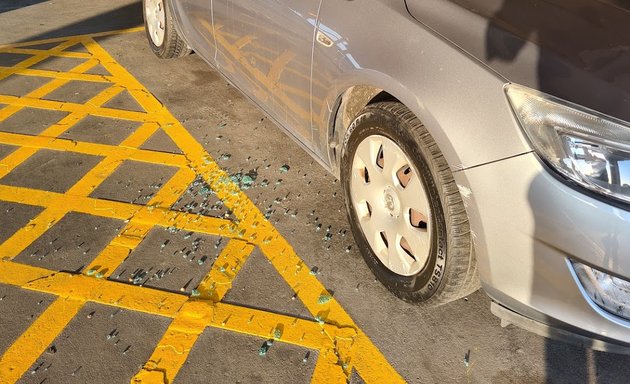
(443, 86)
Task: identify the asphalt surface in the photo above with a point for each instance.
(461, 342)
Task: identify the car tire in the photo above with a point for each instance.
(438, 264)
(164, 38)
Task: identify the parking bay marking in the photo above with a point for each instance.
(341, 344)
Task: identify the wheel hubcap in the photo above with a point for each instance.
(155, 17)
(391, 204)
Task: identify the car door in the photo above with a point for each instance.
(265, 47)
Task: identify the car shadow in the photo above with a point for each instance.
(124, 17)
(13, 5)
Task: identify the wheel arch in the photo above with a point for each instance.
(353, 98)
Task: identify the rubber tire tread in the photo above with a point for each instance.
(173, 46)
(460, 277)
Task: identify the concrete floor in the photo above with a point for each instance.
(106, 344)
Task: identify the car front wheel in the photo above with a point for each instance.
(405, 210)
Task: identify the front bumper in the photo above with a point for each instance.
(557, 331)
(526, 225)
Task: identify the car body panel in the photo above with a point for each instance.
(529, 43)
(424, 78)
(526, 230)
(265, 48)
(357, 59)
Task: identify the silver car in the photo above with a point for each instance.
(479, 143)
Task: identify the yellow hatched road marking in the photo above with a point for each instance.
(194, 313)
(43, 55)
(143, 214)
(136, 230)
(306, 333)
(123, 150)
(219, 280)
(37, 337)
(72, 107)
(57, 74)
(276, 248)
(327, 370)
(172, 351)
(341, 344)
(20, 155)
(26, 51)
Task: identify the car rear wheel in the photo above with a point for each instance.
(164, 38)
(405, 210)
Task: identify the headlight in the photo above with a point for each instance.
(585, 146)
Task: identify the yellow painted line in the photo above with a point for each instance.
(249, 215)
(94, 149)
(60, 204)
(9, 110)
(230, 317)
(91, 180)
(225, 268)
(56, 74)
(29, 51)
(327, 370)
(140, 135)
(17, 157)
(73, 107)
(135, 231)
(279, 252)
(188, 222)
(264, 324)
(101, 291)
(172, 351)
(144, 214)
(35, 228)
(191, 317)
(20, 155)
(273, 245)
(94, 104)
(282, 256)
(31, 232)
(82, 204)
(40, 57)
(240, 204)
(57, 209)
(23, 353)
(72, 38)
(56, 83)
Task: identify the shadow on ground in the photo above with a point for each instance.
(128, 16)
(13, 5)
